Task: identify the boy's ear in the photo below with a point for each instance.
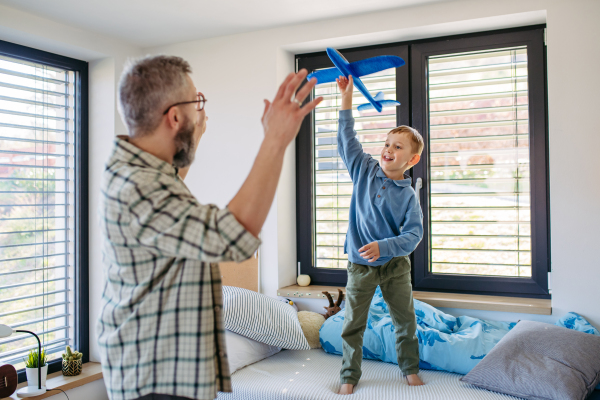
(414, 160)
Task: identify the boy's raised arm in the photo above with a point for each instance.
(349, 147)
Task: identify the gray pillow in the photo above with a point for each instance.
(540, 361)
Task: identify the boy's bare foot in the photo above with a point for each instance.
(414, 380)
(346, 388)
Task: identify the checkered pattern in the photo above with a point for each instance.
(161, 325)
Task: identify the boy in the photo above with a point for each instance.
(385, 226)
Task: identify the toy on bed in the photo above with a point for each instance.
(333, 308)
(358, 69)
(311, 322)
(289, 301)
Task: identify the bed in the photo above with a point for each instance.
(314, 374)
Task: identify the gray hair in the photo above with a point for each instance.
(147, 87)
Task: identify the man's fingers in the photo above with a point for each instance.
(306, 89)
(308, 107)
(283, 86)
(293, 84)
(267, 105)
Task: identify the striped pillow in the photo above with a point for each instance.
(262, 318)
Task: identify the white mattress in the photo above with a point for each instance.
(314, 374)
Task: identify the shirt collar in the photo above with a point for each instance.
(400, 182)
(128, 153)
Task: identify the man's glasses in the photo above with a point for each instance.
(200, 101)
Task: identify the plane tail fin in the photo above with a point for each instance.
(378, 104)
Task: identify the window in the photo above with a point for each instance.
(479, 102)
(43, 203)
(323, 184)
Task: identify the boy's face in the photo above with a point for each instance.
(397, 153)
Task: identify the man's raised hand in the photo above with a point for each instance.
(282, 118)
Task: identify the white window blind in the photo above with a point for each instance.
(332, 185)
(36, 207)
(479, 163)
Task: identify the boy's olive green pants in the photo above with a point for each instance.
(394, 280)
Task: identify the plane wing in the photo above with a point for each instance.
(374, 64)
(325, 75)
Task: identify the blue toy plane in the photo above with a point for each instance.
(358, 69)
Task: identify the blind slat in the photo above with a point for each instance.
(32, 77)
(32, 296)
(33, 128)
(32, 283)
(35, 321)
(34, 90)
(23, 271)
(42, 307)
(24, 114)
(32, 257)
(34, 102)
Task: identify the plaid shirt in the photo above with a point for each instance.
(161, 326)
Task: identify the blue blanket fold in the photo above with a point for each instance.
(446, 343)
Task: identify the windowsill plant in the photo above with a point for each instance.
(31, 367)
(71, 364)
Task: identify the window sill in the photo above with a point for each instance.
(91, 372)
(449, 300)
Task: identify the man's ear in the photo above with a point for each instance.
(414, 160)
(173, 118)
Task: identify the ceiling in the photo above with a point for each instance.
(148, 23)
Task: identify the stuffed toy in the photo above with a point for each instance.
(289, 301)
(311, 323)
(333, 308)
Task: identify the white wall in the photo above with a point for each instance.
(236, 72)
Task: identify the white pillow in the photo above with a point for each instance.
(242, 351)
(262, 318)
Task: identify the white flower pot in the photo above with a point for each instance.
(32, 376)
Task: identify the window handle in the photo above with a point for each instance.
(418, 186)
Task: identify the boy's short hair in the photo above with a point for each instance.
(414, 135)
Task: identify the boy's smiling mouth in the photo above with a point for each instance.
(387, 158)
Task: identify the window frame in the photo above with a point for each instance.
(81, 206)
(411, 92)
(537, 285)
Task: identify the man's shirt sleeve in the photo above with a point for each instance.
(349, 147)
(411, 234)
(174, 224)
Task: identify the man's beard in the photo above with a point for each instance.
(184, 143)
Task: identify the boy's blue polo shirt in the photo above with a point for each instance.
(381, 209)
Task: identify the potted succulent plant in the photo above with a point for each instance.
(31, 367)
(71, 364)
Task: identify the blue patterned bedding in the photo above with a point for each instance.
(446, 343)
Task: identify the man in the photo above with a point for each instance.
(160, 330)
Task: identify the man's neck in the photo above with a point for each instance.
(155, 144)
